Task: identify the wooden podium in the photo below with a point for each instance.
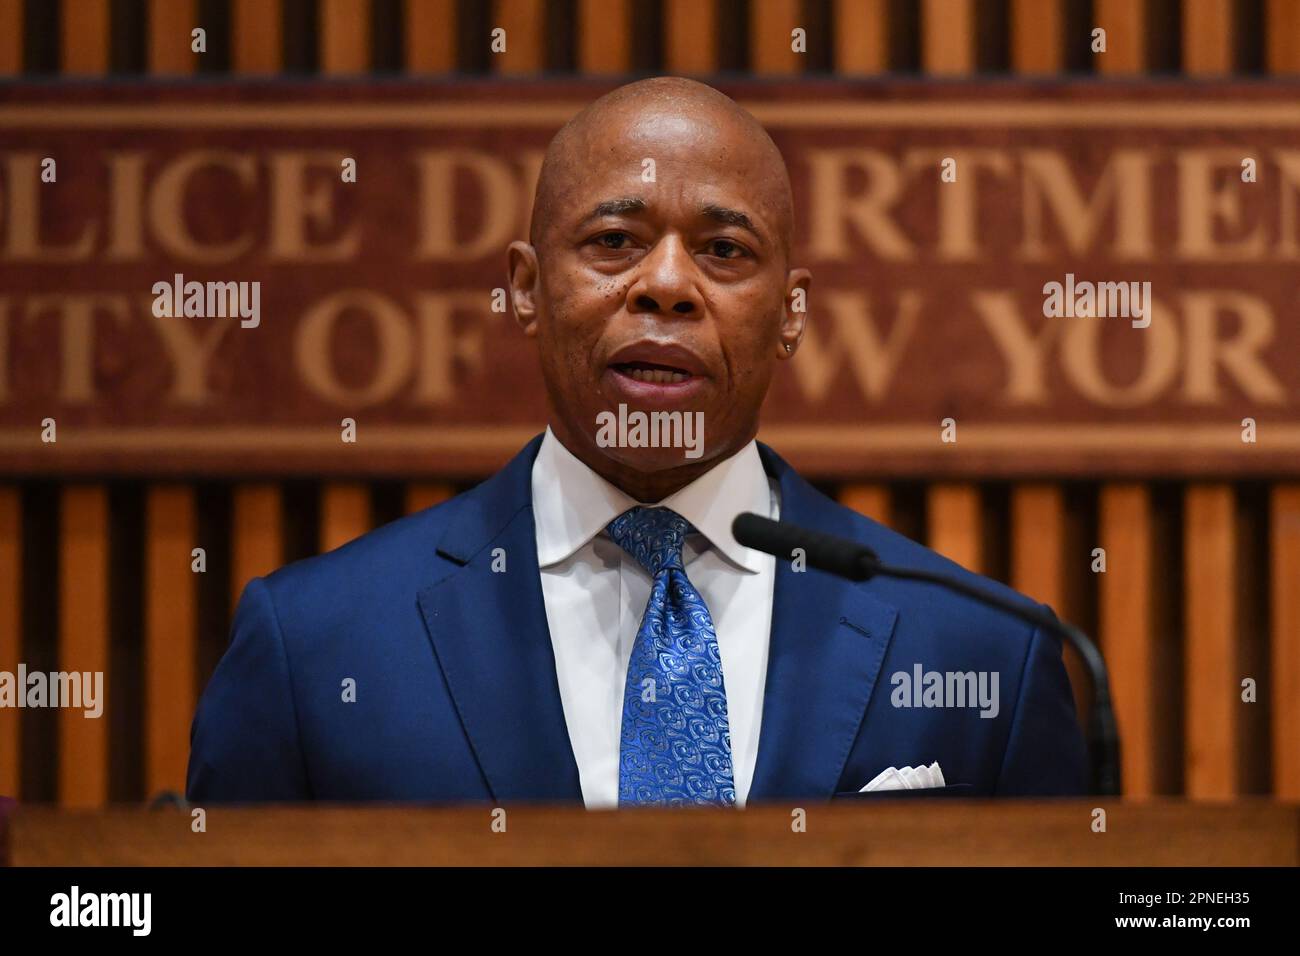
(896, 832)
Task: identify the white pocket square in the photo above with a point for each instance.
(907, 778)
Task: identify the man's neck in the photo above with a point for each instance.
(642, 486)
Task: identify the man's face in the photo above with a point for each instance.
(662, 283)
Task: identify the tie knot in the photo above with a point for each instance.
(654, 536)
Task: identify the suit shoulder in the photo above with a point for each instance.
(397, 554)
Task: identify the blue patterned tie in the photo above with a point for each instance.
(676, 743)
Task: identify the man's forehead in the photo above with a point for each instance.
(693, 151)
(669, 175)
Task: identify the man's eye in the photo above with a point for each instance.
(614, 240)
(726, 249)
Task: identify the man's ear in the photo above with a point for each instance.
(524, 276)
(795, 315)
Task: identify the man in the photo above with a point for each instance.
(583, 625)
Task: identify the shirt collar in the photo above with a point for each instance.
(572, 504)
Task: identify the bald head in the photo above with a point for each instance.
(660, 119)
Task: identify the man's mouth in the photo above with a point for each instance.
(651, 373)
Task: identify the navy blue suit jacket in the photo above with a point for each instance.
(456, 692)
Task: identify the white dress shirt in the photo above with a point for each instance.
(595, 594)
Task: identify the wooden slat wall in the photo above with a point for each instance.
(169, 41)
(1126, 619)
(1036, 34)
(421, 495)
(771, 24)
(1176, 680)
(691, 36)
(255, 33)
(1282, 35)
(170, 634)
(344, 514)
(430, 32)
(604, 36)
(1038, 560)
(1212, 701)
(256, 534)
(11, 37)
(861, 37)
(1208, 36)
(1125, 629)
(11, 583)
(11, 567)
(1125, 24)
(1282, 28)
(861, 49)
(954, 520)
(84, 37)
(1284, 695)
(83, 641)
(948, 37)
(344, 36)
(524, 23)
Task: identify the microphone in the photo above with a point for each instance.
(856, 562)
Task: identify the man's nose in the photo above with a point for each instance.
(666, 282)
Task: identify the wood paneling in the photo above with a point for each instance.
(344, 36)
(868, 499)
(524, 23)
(947, 37)
(1212, 689)
(11, 583)
(170, 636)
(690, 36)
(1282, 35)
(1125, 628)
(770, 40)
(1208, 36)
(170, 42)
(861, 36)
(954, 523)
(344, 513)
(84, 37)
(1125, 24)
(430, 36)
(604, 36)
(1038, 566)
(11, 37)
(256, 38)
(426, 495)
(256, 534)
(1037, 36)
(1037, 542)
(1283, 699)
(83, 641)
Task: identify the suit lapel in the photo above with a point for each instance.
(828, 641)
(489, 633)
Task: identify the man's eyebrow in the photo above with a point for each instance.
(730, 217)
(615, 207)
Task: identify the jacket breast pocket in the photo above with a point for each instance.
(929, 793)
